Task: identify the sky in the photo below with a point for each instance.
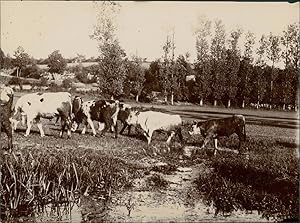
(41, 27)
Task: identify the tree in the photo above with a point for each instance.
(273, 54)
(203, 63)
(112, 69)
(165, 72)
(152, 81)
(290, 55)
(21, 60)
(135, 76)
(258, 79)
(182, 70)
(232, 66)
(246, 68)
(218, 54)
(2, 58)
(111, 60)
(56, 63)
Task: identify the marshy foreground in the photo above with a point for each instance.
(104, 179)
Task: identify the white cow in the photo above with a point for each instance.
(45, 105)
(151, 121)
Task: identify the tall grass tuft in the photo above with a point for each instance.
(268, 182)
(33, 178)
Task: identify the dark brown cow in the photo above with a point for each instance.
(6, 101)
(215, 128)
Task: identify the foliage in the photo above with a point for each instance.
(218, 53)
(2, 57)
(15, 81)
(203, 64)
(182, 70)
(67, 83)
(56, 62)
(21, 60)
(135, 76)
(37, 177)
(112, 71)
(85, 74)
(232, 66)
(167, 68)
(32, 71)
(268, 182)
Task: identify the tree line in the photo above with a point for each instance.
(222, 74)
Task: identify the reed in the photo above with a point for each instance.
(34, 178)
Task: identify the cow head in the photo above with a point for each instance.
(6, 94)
(76, 105)
(133, 117)
(196, 128)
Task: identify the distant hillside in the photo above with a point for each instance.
(145, 64)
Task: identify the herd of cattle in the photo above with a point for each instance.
(30, 108)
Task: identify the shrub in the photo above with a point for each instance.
(32, 71)
(268, 182)
(15, 81)
(67, 83)
(43, 81)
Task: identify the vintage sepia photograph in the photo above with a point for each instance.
(149, 111)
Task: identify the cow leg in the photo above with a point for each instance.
(23, 120)
(29, 124)
(149, 136)
(206, 140)
(99, 126)
(116, 130)
(179, 133)
(8, 130)
(92, 126)
(39, 125)
(129, 129)
(63, 126)
(215, 146)
(124, 127)
(84, 122)
(169, 140)
(107, 126)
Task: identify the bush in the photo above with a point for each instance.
(43, 81)
(15, 81)
(268, 182)
(67, 83)
(32, 71)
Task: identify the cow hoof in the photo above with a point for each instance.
(25, 135)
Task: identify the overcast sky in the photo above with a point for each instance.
(42, 27)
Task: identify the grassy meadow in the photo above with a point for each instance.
(52, 170)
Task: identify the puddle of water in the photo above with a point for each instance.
(161, 207)
(171, 204)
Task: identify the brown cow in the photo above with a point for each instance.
(215, 128)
